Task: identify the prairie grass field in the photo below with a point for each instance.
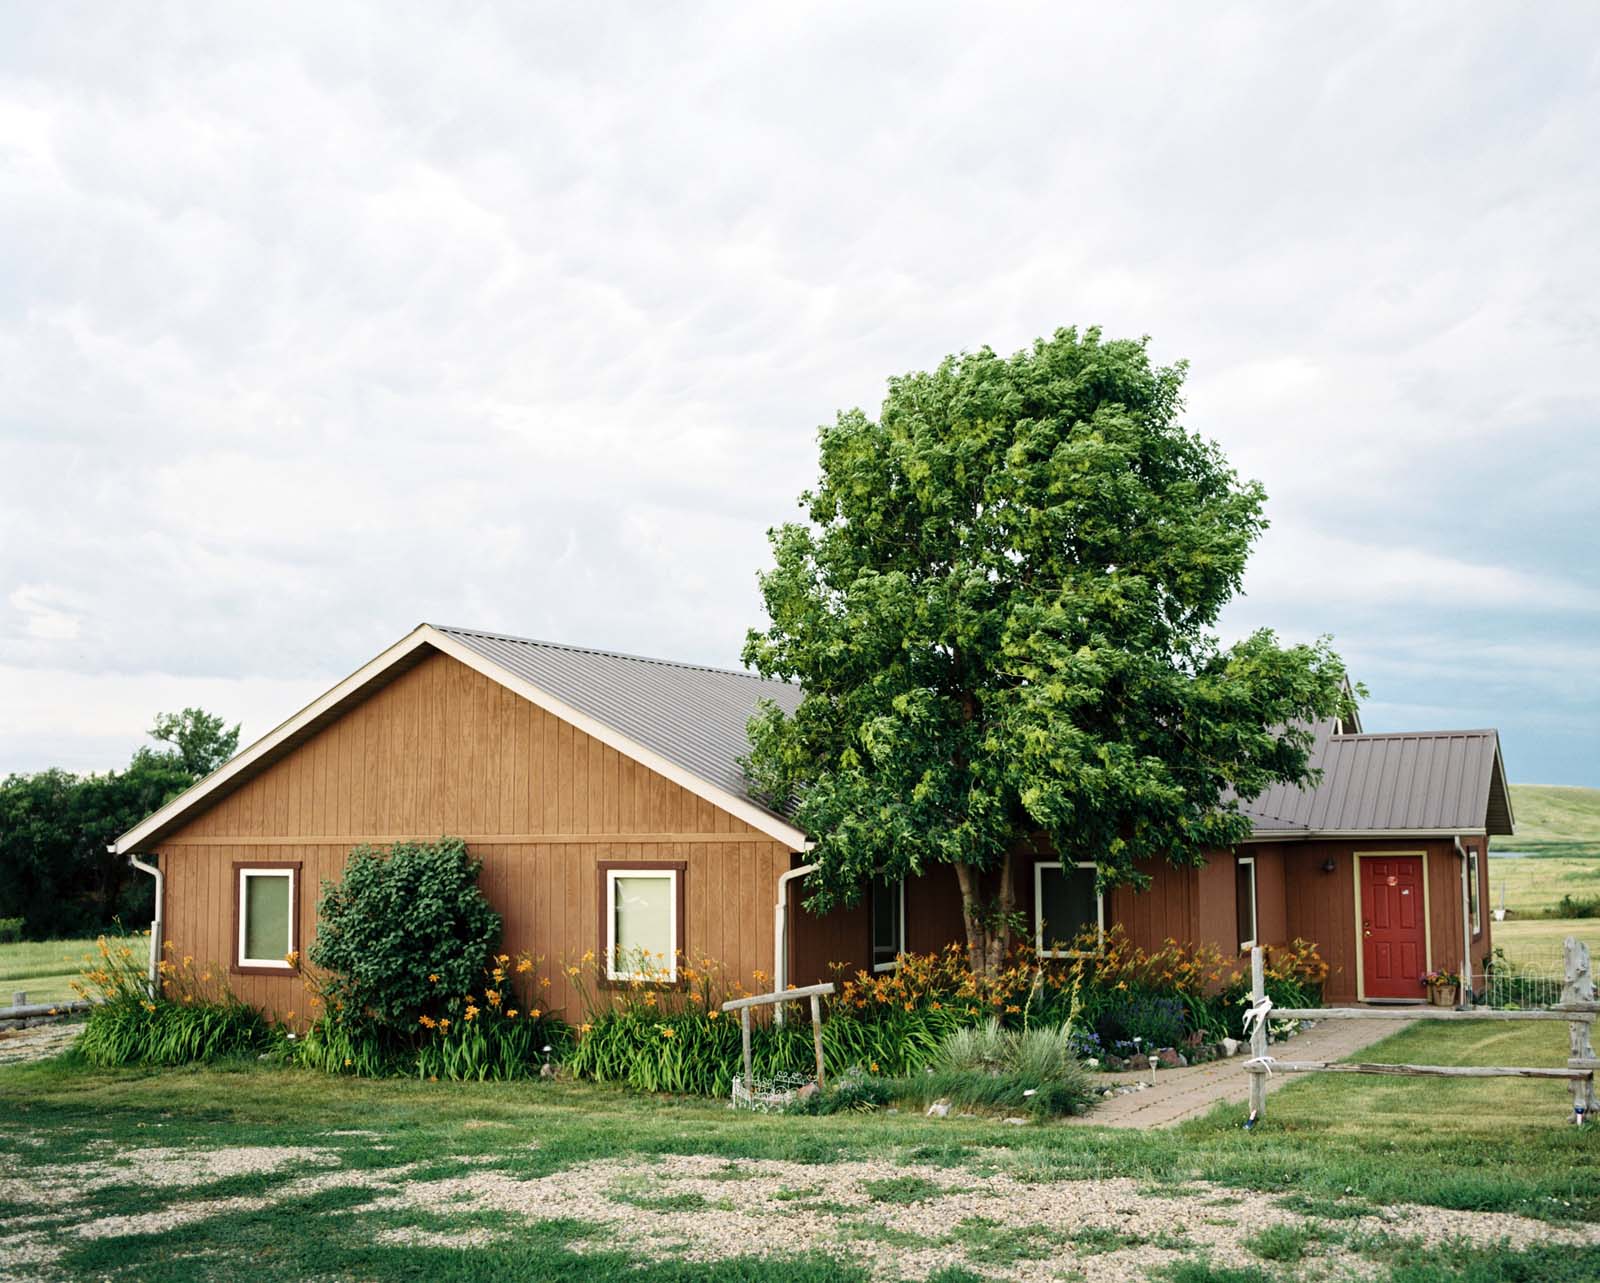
(275, 1174)
(1558, 836)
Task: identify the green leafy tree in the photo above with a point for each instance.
(201, 740)
(403, 929)
(1001, 611)
(55, 871)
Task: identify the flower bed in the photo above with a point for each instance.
(194, 1018)
(1109, 1004)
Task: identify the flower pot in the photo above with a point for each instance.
(1442, 995)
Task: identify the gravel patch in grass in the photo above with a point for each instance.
(160, 1168)
(1108, 1231)
(896, 1220)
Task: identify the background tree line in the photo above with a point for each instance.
(55, 872)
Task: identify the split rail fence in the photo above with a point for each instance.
(744, 1090)
(1577, 1007)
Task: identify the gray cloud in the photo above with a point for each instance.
(318, 323)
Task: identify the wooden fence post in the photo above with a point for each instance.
(1258, 1036)
(816, 1034)
(744, 1034)
(1578, 987)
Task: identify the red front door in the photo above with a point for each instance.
(1393, 940)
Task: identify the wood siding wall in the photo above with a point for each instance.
(445, 750)
(1295, 898)
(1321, 906)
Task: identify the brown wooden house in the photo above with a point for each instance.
(604, 796)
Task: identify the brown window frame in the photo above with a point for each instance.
(240, 867)
(604, 869)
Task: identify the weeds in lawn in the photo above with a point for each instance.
(900, 1189)
(1205, 1272)
(1286, 1243)
(987, 1242)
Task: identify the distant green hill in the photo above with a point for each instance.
(1553, 819)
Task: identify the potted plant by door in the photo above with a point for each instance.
(1443, 986)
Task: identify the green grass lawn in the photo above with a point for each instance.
(334, 1195)
(44, 968)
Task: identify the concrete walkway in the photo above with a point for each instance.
(1181, 1094)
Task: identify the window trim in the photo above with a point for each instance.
(243, 869)
(1475, 889)
(875, 890)
(1254, 938)
(1038, 904)
(610, 871)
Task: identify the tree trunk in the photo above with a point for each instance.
(971, 880)
(1000, 928)
(988, 925)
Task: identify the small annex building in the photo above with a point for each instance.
(604, 795)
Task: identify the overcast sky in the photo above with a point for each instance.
(317, 321)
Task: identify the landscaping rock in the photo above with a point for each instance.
(1230, 1046)
(1170, 1058)
(1017, 1122)
(939, 1109)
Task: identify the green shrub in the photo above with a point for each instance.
(402, 928)
(1577, 906)
(194, 1019)
(10, 930)
(1149, 1020)
(410, 984)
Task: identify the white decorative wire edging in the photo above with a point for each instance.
(767, 1095)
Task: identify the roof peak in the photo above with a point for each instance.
(607, 654)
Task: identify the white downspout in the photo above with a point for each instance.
(157, 927)
(780, 935)
(1466, 926)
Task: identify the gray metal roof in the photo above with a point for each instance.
(695, 716)
(1415, 782)
(692, 715)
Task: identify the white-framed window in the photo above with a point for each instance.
(888, 922)
(642, 921)
(1244, 900)
(1473, 899)
(1066, 901)
(267, 917)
